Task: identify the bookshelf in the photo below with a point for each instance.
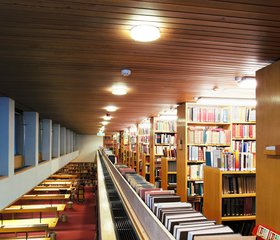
(108, 142)
(146, 167)
(163, 139)
(86, 172)
(168, 173)
(116, 142)
(132, 148)
(144, 129)
(124, 146)
(215, 130)
(233, 198)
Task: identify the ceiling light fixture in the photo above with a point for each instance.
(145, 33)
(119, 90)
(246, 82)
(227, 101)
(107, 117)
(105, 123)
(111, 108)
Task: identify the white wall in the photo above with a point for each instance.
(12, 188)
(88, 146)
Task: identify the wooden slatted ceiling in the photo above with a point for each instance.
(61, 58)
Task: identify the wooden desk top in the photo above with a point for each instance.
(45, 197)
(60, 176)
(51, 189)
(53, 182)
(23, 238)
(66, 186)
(15, 223)
(27, 209)
(11, 228)
(38, 207)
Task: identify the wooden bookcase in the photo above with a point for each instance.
(108, 142)
(163, 139)
(86, 172)
(116, 142)
(143, 147)
(146, 167)
(168, 173)
(207, 128)
(214, 197)
(124, 146)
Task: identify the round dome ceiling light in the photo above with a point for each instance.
(145, 33)
(119, 90)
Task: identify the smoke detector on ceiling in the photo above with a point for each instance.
(126, 72)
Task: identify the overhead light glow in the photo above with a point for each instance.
(168, 117)
(145, 33)
(119, 90)
(227, 101)
(107, 117)
(111, 108)
(247, 82)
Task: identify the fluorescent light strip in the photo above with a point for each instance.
(227, 101)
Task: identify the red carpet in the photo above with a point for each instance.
(81, 220)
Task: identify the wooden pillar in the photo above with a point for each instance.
(268, 134)
(182, 165)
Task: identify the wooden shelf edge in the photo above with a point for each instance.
(238, 218)
(239, 195)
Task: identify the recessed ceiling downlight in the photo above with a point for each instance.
(119, 90)
(111, 108)
(145, 33)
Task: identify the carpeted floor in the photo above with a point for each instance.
(81, 220)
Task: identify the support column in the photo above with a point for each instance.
(7, 128)
(68, 140)
(31, 144)
(62, 141)
(71, 141)
(56, 140)
(47, 140)
(182, 165)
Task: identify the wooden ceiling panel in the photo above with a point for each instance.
(61, 57)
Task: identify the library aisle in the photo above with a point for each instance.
(81, 220)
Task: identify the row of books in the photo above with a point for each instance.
(144, 131)
(172, 178)
(195, 171)
(231, 161)
(165, 126)
(208, 114)
(144, 149)
(244, 146)
(209, 135)
(172, 166)
(165, 139)
(144, 139)
(196, 153)
(179, 218)
(243, 131)
(195, 188)
(170, 151)
(239, 184)
(243, 114)
(239, 206)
